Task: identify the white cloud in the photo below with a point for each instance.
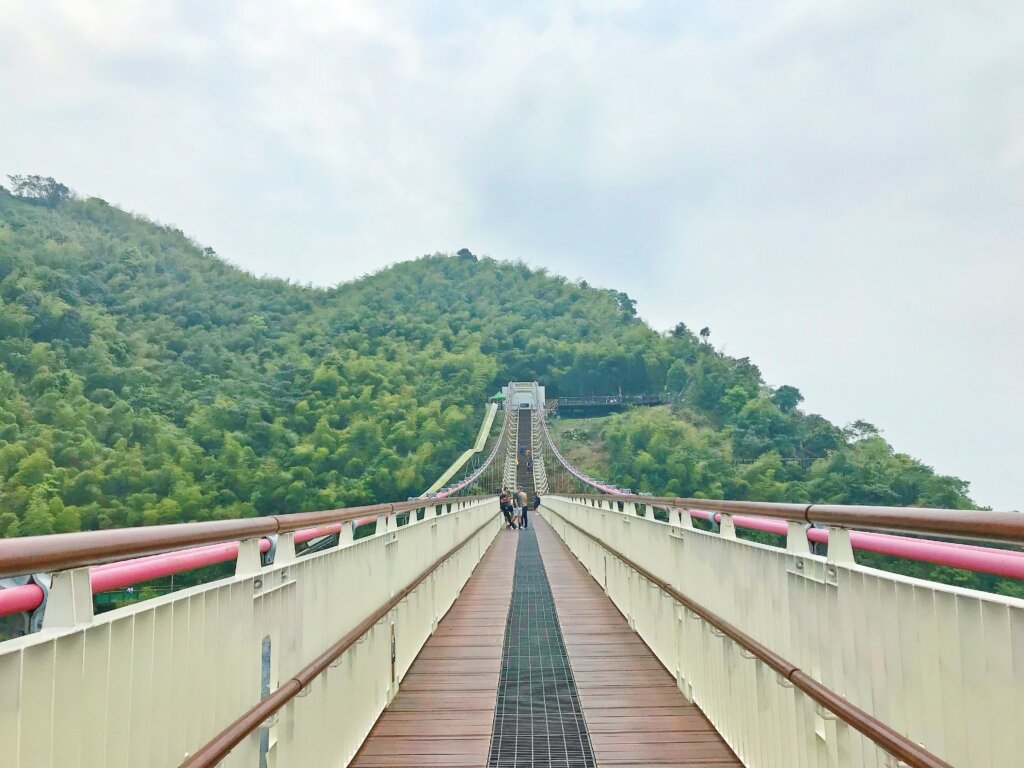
(836, 190)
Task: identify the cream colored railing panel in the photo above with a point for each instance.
(145, 684)
(943, 665)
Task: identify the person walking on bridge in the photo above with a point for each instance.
(523, 506)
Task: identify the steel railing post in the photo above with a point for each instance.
(69, 600)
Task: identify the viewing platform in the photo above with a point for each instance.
(600, 405)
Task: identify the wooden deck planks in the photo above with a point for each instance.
(444, 711)
(636, 715)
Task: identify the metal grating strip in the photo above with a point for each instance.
(538, 720)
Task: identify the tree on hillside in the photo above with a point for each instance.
(624, 302)
(41, 189)
(860, 430)
(705, 334)
(787, 398)
(677, 377)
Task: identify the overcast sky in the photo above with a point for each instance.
(836, 189)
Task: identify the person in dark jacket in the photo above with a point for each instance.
(536, 502)
(505, 502)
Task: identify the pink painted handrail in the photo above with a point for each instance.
(110, 576)
(998, 562)
(27, 597)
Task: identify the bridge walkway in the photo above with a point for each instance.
(635, 713)
(445, 712)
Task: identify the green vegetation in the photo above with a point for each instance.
(581, 441)
(756, 451)
(145, 380)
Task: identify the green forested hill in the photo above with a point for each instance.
(143, 379)
(760, 452)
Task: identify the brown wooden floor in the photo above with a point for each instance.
(444, 710)
(634, 711)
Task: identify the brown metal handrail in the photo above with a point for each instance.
(956, 523)
(62, 551)
(893, 742)
(220, 745)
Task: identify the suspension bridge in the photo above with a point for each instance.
(619, 629)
